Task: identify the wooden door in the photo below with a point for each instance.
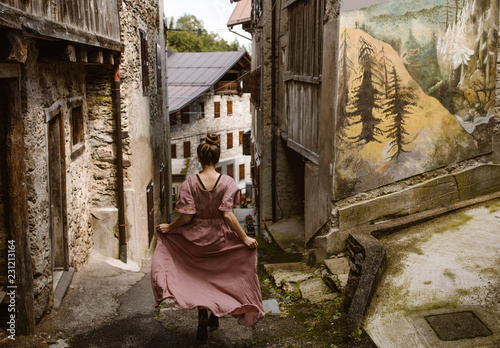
(57, 183)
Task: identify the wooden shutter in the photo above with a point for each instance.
(242, 172)
(187, 149)
(229, 107)
(229, 140)
(241, 137)
(173, 151)
(144, 62)
(230, 170)
(218, 170)
(216, 109)
(202, 110)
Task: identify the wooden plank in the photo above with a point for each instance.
(96, 56)
(18, 208)
(9, 70)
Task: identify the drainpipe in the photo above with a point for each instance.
(273, 111)
(119, 164)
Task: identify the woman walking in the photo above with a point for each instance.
(204, 259)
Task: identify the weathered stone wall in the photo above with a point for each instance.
(43, 84)
(142, 119)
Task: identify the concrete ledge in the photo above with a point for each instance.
(442, 191)
(62, 287)
(363, 286)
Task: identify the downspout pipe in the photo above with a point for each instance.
(115, 95)
(273, 111)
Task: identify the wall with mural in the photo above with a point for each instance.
(416, 88)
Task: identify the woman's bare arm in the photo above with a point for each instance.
(232, 221)
(180, 221)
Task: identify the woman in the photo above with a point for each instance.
(204, 259)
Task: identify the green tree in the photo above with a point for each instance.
(189, 35)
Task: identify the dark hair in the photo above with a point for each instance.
(209, 149)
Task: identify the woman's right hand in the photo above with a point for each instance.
(251, 242)
(163, 228)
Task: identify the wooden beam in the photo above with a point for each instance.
(110, 58)
(82, 54)
(96, 56)
(14, 47)
(18, 210)
(71, 53)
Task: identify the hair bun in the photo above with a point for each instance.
(213, 139)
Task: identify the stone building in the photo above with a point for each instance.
(81, 141)
(209, 92)
(325, 166)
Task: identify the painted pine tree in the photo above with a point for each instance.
(397, 109)
(366, 96)
(346, 67)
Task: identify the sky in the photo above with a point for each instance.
(213, 13)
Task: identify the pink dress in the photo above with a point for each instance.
(204, 263)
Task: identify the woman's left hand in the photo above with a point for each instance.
(163, 228)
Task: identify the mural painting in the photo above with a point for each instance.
(416, 88)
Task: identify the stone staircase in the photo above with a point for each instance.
(314, 285)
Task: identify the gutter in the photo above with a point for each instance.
(115, 95)
(273, 112)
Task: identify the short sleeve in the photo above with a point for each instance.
(185, 204)
(231, 198)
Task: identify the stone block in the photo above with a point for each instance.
(105, 228)
(333, 242)
(478, 181)
(315, 290)
(343, 278)
(338, 265)
(434, 193)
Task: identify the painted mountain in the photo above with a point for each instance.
(416, 89)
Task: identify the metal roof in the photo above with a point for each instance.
(192, 73)
(241, 14)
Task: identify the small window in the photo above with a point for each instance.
(77, 131)
(241, 138)
(173, 150)
(216, 109)
(173, 119)
(151, 211)
(229, 107)
(144, 62)
(202, 110)
(242, 172)
(229, 140)
(185, 115)
(230, 170)
(187, 149)
(218, 170)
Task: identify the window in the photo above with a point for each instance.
(202, 110)
(185, 115)
(229, 107)
(187, 149)
(173, 119)
(242, 172)
(218, 170)
(230, 170)
(151, 211)
(173, 151)
(241, 137)
(144, 62)
(229, 140)
(77, 132)
(216, 109)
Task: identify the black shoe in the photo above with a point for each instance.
(202, 332)
(213, 322)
